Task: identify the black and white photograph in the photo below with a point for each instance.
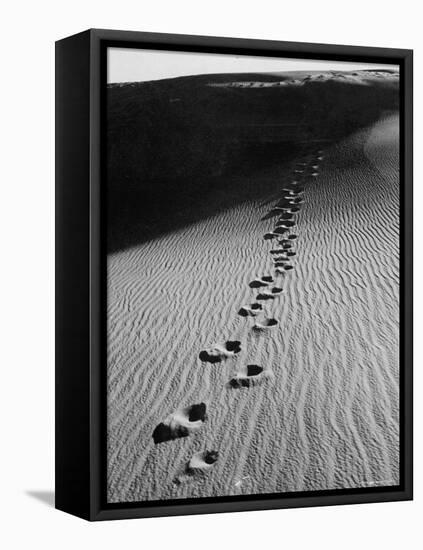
(210, 234)
(253, 237)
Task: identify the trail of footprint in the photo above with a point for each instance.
(179, 424)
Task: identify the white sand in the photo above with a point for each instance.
(328, 417)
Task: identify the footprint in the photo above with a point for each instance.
(286, 243)
(254, 375)
(269, 294)
(292, 236)
(286, 223)
(180, 423)
(291, 190)
(233, 346)
(252, 310)
(269, 236)
(197, 466)
(288, 267)
(280, 262)
(265, 324)
(281, 258)
(280, 230)
(281, 207)
(263, 281)
(202, 461)
(286, 216)
(218, 352)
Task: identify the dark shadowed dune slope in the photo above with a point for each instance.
(170, 141)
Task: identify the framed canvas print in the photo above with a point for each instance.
(234, 274)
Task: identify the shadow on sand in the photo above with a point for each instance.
(180, 150)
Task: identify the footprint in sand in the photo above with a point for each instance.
(282, 269)
(180, 423)
(286, 216)
(202, 461)
(296, 190)
(269, 236)
(280, 230)
(269, 294)
(262, 281)
(252, 310)
(253, 375)
(197, 467)
(218, 352)
(286, 223)
(281, 258)
(280, 208)
(264, 324)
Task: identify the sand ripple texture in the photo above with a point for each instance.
(328, 418)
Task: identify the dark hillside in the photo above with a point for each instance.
(171, 142)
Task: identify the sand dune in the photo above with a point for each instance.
(169, 163)
(300, 78)
(328, 416)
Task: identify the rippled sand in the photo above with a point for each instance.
(328, 416)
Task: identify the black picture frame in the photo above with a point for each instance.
(80, 273)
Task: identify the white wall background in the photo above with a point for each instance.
(27, 37)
